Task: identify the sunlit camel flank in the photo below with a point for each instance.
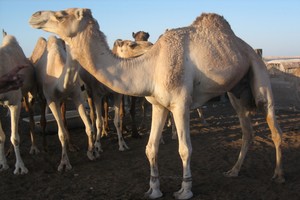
(184, 69)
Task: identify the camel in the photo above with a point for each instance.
(96, 93)
(184, 69)
(12, 55)
(57, 80)
(140, 36)
(131, 49)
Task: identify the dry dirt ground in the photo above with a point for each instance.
(125, 175)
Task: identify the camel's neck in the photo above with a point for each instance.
(67, 78)
(131, 76)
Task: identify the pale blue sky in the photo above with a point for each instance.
(272, 25)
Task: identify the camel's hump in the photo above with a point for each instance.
(209, 20)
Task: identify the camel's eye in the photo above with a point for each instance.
(59, 18)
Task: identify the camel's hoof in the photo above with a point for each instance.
(231, 173)
(183, 194)
(3, 166)
(123, 147)
(90, 155)
(34, 150)
(64, 167)
(185, 191)
(153, 194)
(278, 179)
(98, 147)
(20, 169)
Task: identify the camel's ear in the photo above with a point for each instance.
(4, 33)
(119, 43)
(147, 35)
(80, 13)
(132, 44)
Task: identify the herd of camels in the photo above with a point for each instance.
(182, 70)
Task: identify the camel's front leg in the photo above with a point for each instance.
(118, 122)
(88, 127)
(182, 118)
(15, 138)
(159, 115)
(62, 134)
(3, 161)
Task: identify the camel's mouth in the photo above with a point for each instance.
(37, 25)
(39, 19)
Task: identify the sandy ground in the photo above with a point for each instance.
(125, 175)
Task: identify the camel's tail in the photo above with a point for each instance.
(254, 89)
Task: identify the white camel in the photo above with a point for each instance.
(184, 69)
(11, 55)
(57, 80)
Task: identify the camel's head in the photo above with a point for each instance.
(140, 36)
(129, 49)
(66, 23)
(123, 47)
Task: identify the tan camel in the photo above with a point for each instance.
(12, 55)
(131, 49)
(57, 80)
(96, 93)
(184, 69)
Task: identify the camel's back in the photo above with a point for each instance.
(206, 51)
(12, 55)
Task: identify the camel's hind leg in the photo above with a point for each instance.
(277, 139)
(118, 122)
(247, 130)
(244, 117)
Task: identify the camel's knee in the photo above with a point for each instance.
(150, 152)
(15, 140)
(63, 137)
(277, 138)
(185, 152)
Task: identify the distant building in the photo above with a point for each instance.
(285, 80)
